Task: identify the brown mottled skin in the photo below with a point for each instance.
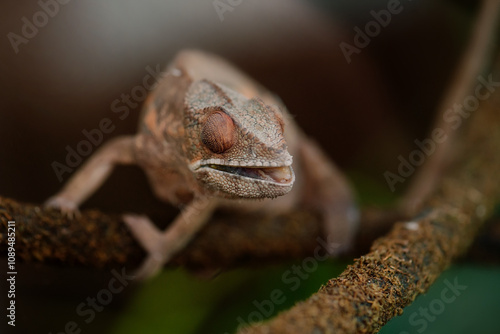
(211, 137)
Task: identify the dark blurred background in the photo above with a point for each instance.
(64, 78)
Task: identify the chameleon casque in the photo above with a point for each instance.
(209, 138)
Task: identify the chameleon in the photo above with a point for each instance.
(211, 138)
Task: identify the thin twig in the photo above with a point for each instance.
(469, 67)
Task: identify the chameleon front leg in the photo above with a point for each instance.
(328, 191)
(162, 245)
(92, 174)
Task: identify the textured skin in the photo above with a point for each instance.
(209, 135)
(176, 125)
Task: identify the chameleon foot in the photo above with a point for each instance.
(66, 206)
(152, 240)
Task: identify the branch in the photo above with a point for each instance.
(97, 239)
(474, 60)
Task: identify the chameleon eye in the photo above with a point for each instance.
(218, 132)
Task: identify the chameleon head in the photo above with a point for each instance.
(236, 146)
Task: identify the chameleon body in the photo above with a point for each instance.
(210, 137)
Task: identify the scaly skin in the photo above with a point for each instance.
(208, 135)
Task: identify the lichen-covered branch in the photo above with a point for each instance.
(101, 240)
(97, 239)
(408, 260)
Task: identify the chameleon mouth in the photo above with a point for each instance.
(281, 175)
